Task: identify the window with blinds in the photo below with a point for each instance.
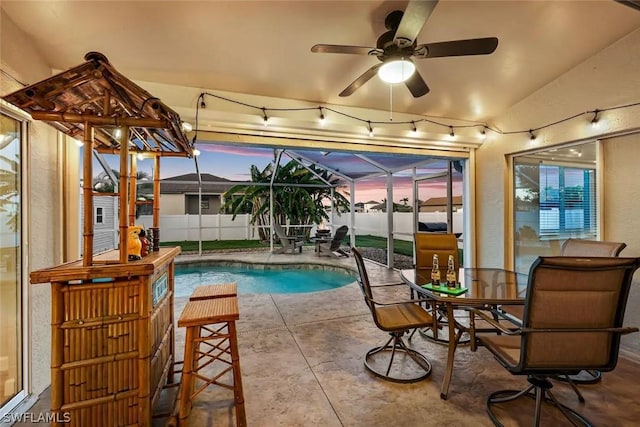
(554, 199)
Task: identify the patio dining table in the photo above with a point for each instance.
(486, 288)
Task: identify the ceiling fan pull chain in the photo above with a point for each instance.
(390, 103)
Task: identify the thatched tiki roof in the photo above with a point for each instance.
(94, 92)
(110, 114)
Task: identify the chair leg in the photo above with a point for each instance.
(394, 345)
(587, 376)
(575, 388)
(539, 389)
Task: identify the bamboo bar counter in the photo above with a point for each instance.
(112, 333)
(112, 338)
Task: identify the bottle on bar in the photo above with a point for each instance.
(451, 273)
(435, 271)
(150, 240)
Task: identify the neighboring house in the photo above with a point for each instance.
(378, 207)
(367, 206)
(382, 207)
(439, 204)
(179, 194)
(105, 223)
(364, 207)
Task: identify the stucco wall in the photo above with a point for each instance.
(608, 79)
(43, 198)
(621, 207)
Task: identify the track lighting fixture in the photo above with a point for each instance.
(264, 116)
(202, 103)
(451, 133)
(322, 119)
(413, 127)
(370, 128)
(483, 132)
(532, 136)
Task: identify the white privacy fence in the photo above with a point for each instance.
(175, 228)
(375, 224)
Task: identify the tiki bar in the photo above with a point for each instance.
(112, 333)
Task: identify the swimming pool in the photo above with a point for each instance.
(260, 279)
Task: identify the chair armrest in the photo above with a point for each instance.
(622, 331)
(506, 316)
(385, 285)
(492, 322)
(522, 331)
(400, 302)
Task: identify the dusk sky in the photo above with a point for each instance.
(233, 163)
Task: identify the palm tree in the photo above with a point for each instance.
(293, 203)
(254, 198)
(103, 184)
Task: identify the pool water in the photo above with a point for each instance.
(258, 280)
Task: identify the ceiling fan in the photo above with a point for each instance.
(395, 48)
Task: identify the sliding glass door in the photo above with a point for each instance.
(11, 280)
(554, 199)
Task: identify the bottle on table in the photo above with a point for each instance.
(452, 280)
(435, 271)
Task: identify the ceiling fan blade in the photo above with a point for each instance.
(413, 20)
(365, 77)
(482, 46)
(631, 3)
(357, 50)
(416, 85)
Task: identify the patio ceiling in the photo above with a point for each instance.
(264, 47)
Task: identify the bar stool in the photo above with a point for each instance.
(214, 291)
(210, 340)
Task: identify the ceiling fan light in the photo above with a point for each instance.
(396, 71)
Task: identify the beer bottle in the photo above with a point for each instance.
(435, 271)
(451, 273)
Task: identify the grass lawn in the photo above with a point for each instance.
(400, 246)
(212, 245)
